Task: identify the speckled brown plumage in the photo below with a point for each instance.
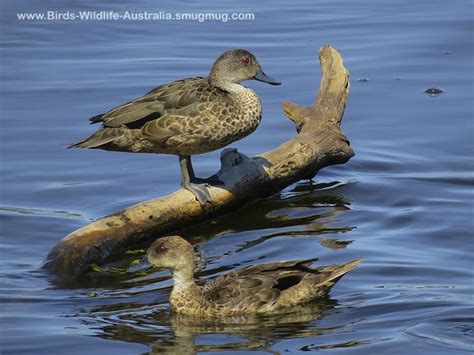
(260, 289)
(185, 117)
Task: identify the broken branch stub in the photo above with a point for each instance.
(319, 143)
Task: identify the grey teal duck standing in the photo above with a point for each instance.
(262, 289)
(187, 117)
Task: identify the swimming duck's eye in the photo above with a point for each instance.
(161, 249)
(245, 60)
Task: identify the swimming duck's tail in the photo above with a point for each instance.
(315, 283)
(335, 272)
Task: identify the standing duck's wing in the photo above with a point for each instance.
(152, 105)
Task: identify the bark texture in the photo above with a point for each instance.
(319, 143)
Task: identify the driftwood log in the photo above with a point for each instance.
(319, 143)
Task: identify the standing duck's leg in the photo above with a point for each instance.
(189, 167)
(187, 177)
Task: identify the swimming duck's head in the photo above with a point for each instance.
(237, 65)
(173, 253)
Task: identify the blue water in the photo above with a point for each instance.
(403, 203)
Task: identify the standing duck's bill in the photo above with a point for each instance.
(261, 289)
(187, 117)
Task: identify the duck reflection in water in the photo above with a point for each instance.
(171, 333)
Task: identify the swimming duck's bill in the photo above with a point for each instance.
(261, 76)
(142, 265)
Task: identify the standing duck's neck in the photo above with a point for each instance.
(224, 83)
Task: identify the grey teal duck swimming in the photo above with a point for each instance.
(262, 289)
(187, 117)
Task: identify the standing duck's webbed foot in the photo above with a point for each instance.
(199, 191)
(195, 185)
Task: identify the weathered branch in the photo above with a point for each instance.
(319, 143)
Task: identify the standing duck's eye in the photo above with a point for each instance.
(245, 60)
(161, 249)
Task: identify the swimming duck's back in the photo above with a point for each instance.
(272, 287)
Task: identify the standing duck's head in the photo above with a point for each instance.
(235, 66)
